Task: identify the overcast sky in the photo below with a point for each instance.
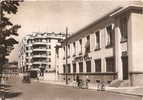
(54, 16)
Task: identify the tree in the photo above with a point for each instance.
(7, 29)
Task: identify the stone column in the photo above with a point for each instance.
(118, 61)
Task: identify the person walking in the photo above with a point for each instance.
(86, 82)
(74, 83)
(77, 80)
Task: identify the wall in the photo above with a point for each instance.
(136, 47)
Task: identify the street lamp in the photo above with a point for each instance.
(66, 67)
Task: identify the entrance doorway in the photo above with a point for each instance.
(125, 67)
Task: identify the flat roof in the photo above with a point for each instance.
(113, 13)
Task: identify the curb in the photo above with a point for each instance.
(123, 93)
(110, 91)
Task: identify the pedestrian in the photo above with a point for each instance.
(86, 81)
(98, 84)
(102, 87)
(37, 74)
(77, 80)
(74, 83)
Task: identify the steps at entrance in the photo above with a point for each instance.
(119, 83)
(125, 83)
(115, 83)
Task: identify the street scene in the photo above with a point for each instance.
(37, 90)
(71, 50)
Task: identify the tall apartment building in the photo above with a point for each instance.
(37, 50)
(106, 50)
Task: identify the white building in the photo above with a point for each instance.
(108, 49)
(37, 50)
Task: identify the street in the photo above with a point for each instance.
(44, 91)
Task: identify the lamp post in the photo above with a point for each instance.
(66, 67)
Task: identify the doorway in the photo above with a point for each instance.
(125, 67)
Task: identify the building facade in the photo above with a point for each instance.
(107, 50)
(37, 51)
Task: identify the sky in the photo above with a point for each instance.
(56, 15)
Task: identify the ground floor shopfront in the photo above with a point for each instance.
(95, 70)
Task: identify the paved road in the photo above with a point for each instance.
(43, 91)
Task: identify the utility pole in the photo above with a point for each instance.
(66, 66)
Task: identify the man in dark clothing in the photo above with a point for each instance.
(42, 71)
(77, 80)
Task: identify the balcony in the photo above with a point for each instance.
(40, 62)
(39, 43)
(28, 63)
(40, 56)
(39, 49)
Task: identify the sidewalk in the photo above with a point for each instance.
(136, 91)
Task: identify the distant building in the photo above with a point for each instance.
(108, 49)
(37, 50)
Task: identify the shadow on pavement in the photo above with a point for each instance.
(11, 94)
(5, 85)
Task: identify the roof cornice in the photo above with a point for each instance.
(113, 13)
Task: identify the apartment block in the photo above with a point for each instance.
(37, 51)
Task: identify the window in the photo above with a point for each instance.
(64, 49)
(87, 45)
(26, 60)
(88, 66)
(69, 68)
(49, 59)
(80, 42)
(29, 41)
(48, 46)
(39, 40)
(64, 68)
(74, 46)
(48, 40)
(109, 36)
(26, 54)
(110, 66)
(26, 48)
(80, 66)
(68, 51)
(97, 40)
(59, 40)
(74, 68)
(49, 53)
(98, 65)
(49, 66)
(123, 29)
